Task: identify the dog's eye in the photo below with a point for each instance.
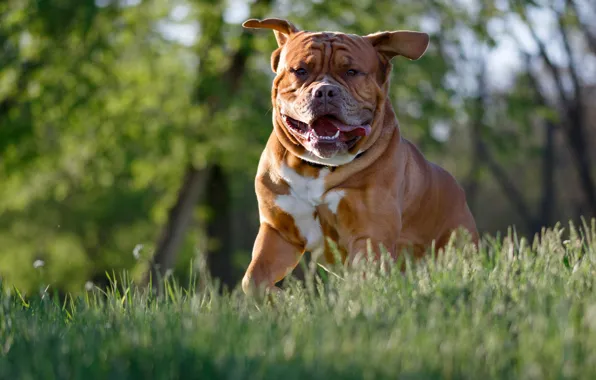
(352, 73)
(299, 72)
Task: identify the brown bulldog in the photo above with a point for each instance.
(335, 166)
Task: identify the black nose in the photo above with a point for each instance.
(324, 91)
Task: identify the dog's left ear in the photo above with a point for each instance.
(283, 29)
(410, 44)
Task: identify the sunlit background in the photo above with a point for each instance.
(130, 130)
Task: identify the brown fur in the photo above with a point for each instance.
(391, 194)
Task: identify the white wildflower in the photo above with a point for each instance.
(89, 286)
(136, 252)
(38, 264)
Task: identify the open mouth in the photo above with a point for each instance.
(327, 130)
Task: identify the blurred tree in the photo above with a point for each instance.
(87, 112)
(569, 102)
(547, 97)
(130, 130)
(217, 86)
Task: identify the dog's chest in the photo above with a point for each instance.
(306, 195)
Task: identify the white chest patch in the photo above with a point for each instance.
(332, 198)
(306, 193)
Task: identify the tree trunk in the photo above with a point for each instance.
(508, 187)
(547, 202)
(195, 180)
(572, 103)
(576, 138)
(471, 182)
(576, 128)
(510, 190)
(583, 25)
(179, 216)
(219, 250)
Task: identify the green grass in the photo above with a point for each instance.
(517, 309)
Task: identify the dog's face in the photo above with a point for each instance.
(327, 92)
(329, 87)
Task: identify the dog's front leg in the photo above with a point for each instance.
(361, 222)
(273, 257)
(361, 247)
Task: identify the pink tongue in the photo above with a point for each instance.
(328, 126)
(360, 131)
(324, 127)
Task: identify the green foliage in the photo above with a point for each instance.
(516, 309)
(98, 119)
(101, 111)
(88, 117)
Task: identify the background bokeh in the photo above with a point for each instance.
(130, 130)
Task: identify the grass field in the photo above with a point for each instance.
(517, 309)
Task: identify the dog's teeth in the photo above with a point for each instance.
(327, 137)
(336, 135)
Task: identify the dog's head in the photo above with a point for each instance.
(329, 87)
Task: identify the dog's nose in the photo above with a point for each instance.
(324, 91)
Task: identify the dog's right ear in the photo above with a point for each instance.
(282, 29)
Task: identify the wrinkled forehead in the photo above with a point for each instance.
(340, 48)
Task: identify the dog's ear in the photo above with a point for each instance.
(407, 43)
(283, 29)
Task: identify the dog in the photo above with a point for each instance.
(335, 167)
